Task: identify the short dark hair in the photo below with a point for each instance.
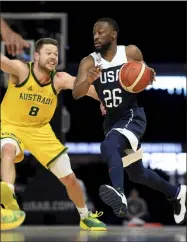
(45, 41)
(111, 22)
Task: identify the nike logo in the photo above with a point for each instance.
(111, 168)
(123, 198)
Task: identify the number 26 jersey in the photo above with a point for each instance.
(115, 99)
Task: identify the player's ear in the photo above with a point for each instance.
(36, 56)
(114, 35)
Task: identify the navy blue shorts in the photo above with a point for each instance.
(132, 125)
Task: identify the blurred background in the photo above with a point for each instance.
(159, 31)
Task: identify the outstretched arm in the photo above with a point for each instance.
(14, 67)
(66, 81)
(10, 66)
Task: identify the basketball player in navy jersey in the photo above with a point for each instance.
(124, 123)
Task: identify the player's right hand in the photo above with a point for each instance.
(103, 109)
(93, 74)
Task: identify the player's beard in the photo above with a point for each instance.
(103, 48)
(43, 68)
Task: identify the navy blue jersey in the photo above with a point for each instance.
(116, 100)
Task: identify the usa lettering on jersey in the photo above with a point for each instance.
(109, 76)
(107, 86)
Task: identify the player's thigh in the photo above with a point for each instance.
(115, 140)
(122, 126)
(132, 126)
(10, 135)
(44, 145)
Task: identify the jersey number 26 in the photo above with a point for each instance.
(112, 98)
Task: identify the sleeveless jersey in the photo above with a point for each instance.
(115, 99)
(29, 104)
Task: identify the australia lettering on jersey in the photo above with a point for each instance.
(36, 98)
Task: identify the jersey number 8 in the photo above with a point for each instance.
(34, 111)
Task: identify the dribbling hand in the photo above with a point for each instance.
(154, 76)
(93, 74)
(153, 72)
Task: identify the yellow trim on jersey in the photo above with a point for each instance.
(53, 73)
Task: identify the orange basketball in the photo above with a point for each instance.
(135, 76)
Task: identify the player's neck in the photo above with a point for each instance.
(110, 53)
(42, 76)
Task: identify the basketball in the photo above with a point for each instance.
(135, 76)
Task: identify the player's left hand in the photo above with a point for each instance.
(103, 110)
(154, 76)
(153, 72)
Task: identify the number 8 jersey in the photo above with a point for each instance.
(29, 104)
(116, 100)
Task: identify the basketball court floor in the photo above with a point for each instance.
(71, 233)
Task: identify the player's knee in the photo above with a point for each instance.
(61, 167)
(136, 172)
(8, 149)
(69, 180)
(108, 147)
(114, 142)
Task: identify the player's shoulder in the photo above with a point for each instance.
(62, 75)
(63, 80)
(131, 48)
(94, 57)
(21, 64)
(133, 53)
(21, 67)
(87, 62)
(24, 69)
(88, 58)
